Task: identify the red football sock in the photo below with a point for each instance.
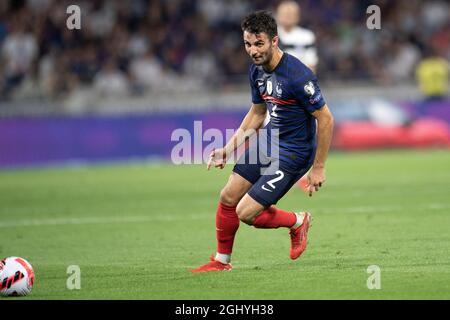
(227, 224)
(273, 218)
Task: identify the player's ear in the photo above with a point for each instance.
(275, 41)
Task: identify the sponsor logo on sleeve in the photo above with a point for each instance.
(311, 91)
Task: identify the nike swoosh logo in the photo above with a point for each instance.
(264, 188)
(260, 84)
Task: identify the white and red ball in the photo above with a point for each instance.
(16, 277)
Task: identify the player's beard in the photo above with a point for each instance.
(265, 58)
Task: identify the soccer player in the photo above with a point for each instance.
(295, 40)
(284, 86)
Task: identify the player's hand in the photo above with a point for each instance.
(217, 158)
(316, 178)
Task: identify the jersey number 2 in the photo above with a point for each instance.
(273, 114)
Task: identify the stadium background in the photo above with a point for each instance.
(137, 70)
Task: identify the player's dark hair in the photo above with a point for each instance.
(260, 21)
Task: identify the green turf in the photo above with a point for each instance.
(136, 229)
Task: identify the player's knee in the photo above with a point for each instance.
(244, 215)
(228, 198)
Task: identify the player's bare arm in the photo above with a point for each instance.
(252, 121)
(325, 124)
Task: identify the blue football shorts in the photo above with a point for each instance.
(273, 178)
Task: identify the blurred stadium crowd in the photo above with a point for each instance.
(136, 46)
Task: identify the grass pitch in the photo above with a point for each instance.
(135, 230)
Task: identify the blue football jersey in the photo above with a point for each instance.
(291, 94)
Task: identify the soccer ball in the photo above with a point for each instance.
(16, 277)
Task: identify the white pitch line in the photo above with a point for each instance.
(369, 209)
(175, 217)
